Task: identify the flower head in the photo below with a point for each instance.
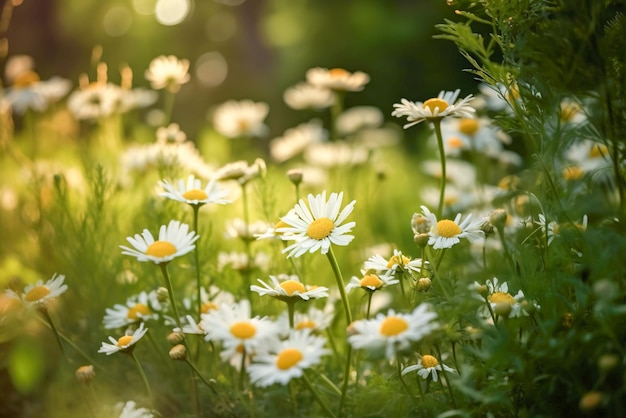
(306, 96)
(296, 140)
(446, 233)
(444, 105)
(193, 193)
(397, 263)
(29, 92)
(125, 343)
(428, 366)
(317, 226)
(337, 79)
(235, 327)
(168, 72)
(235, 119)
(371, 281)
(174, 241)
(130, 410)
(40, 293)
(282, 361)
(394, 331)
(285, 287)
(141, 307)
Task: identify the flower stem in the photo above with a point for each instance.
(317, 397)
(291, 309)
(196, 209)
(246, 238)
(55, 331)
(143, 375)
(404, 385)
(170, 292)
(442, 157)
(197, 372)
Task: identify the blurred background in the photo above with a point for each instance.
(246, 49)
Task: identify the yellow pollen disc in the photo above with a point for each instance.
(393, 326)
(305, 324)
(501, 297)
(161, 249)
(124, 341)
(288, 358)
(572, 173)
(513, 93)
(429, 361)
(455, 142)
(138, 309)
(243, 330)
(320, 228)
(195, 194)
(338, 73)
(209, 306)
(435, 103)
(26, 79)
(36, 293)
(371, 280)
(598, 151)
(243, 125)
(568, 111)
(448, 229)
(469, 126)
(292, 286)
(397, 260)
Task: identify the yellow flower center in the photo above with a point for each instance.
(124, 341)
(36, 293)
(568, 111)
(513, 93)
(501, 297)
(455, 142)
(435, 103)
(288, 358)
(393, 326)
(338, 73)
(396, 259)
(371, 280)
(243, 330)
(243, 125)
(195, 194)
(208, 306)
(26, 79)
(161, 249)
(469, 126)
(305, 324)
(572, 173)
(320, 228)
(598, 151)
(448, 229)
(292, 286)
(138, 309)
(429, 361)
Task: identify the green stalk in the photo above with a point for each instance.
(55, 331)
(317, 397)
(196, 209)
(143, 374)
(170, 292)
(442, 157)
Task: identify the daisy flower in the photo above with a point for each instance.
(130, 410)
(238, 228)
(241, 261)
(550, 229)
(286, 287)
(241, 171)
(335, 154)
(317, 226)
(40, 293)
(235, 119)
(296, 140)
(397, 263)
(314, 319)
(370, 281)
(125, 343)
(94, 101)
(357, 118)
(446, 233)
(192, 192)
(234, 326)
(337, 79)
(29, 92)
(137, 308)
(394, 331)
(286, 360)
(498, 296)
(174, 241)
(190, 326)
(306, 96)
(428, 366)
(168, 72)
(444, 105)
(170, 134)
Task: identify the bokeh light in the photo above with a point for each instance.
(172, 12)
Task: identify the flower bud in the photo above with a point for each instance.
(498, 218)
(176, 338)
(295, 176)
(162, 294)
(85, 374)
(421, 240)
(608, 362)
(591, 400)
(423, 284)
(503, 309)
(178, 352)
